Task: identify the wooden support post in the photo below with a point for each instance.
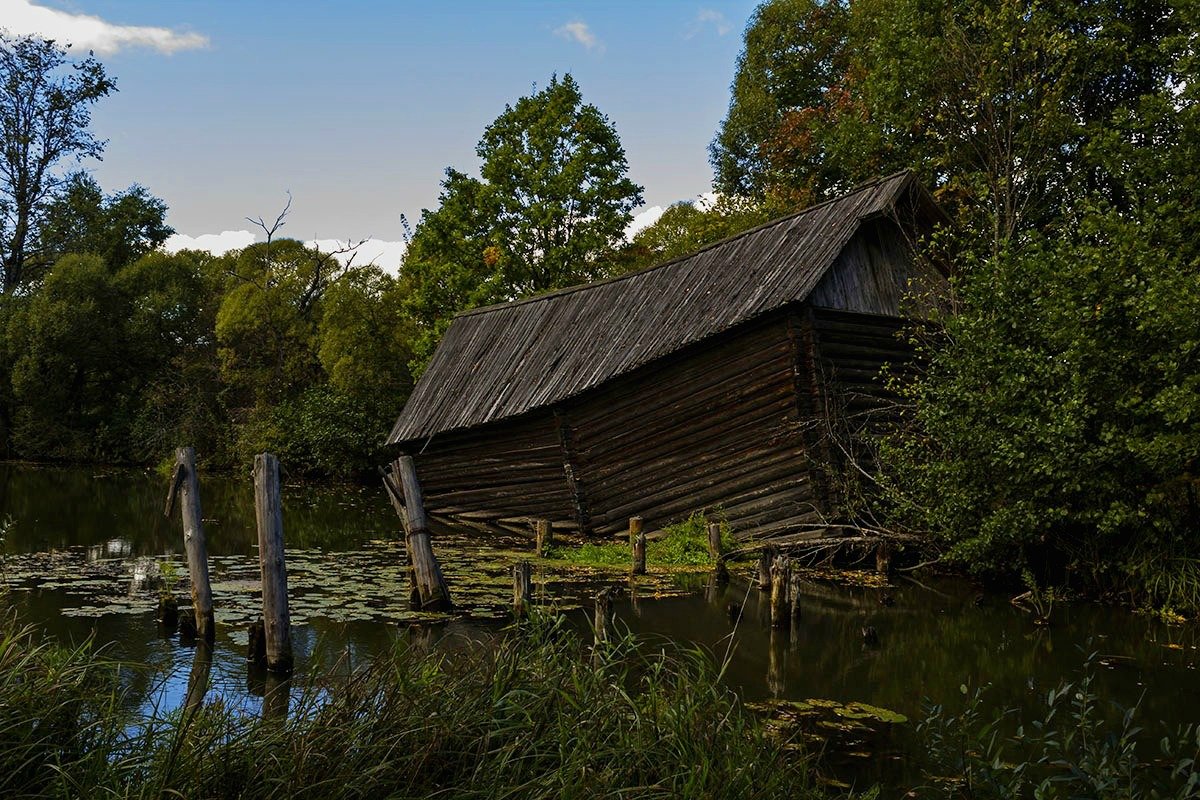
(269, 514)
(186, 485)
(765, 559)
(635, 528)
(543, 537)
(714, 542)
(397, 497)
(638, 567)
(431, 585)
(720, 570)
(779, 590)
(522, 588)
(794, 592)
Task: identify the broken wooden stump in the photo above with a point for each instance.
(543, 537)
(186, 485)
(522, 588)
(794, 592)
(638, 567)
(168, 612)
(714, 542)
(268, 512)
(765, 559)
(635, 527)
(431, 585)
(256, 649)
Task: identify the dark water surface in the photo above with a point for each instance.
(76, 536)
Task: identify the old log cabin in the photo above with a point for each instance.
(702, 384)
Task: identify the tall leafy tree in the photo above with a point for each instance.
(120, 228)
(45, 113)
(998, 106)
(551, 203)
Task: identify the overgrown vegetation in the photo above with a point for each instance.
(531, 716)
(681, 544)
(1054, 427)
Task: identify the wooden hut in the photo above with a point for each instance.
(707, 383)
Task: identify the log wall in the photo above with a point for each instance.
(504, 474)
(713, 429)
(738, 426)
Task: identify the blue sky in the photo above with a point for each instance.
(358, 106)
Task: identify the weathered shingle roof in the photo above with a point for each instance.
(507, 359)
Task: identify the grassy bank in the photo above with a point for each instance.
(533, 716)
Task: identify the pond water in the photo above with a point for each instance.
(76, 537)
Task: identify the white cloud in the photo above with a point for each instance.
(216, 243)
(648, 216)
(579, 31)
(642, 220)
(383, 254)
(86, 32)
(706, 17)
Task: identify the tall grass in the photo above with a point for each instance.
(531, 716)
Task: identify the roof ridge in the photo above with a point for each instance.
(579, 287)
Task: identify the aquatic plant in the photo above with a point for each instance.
(1073, 750)
(532, 715)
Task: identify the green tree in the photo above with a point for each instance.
(120, 228)
(44, 118)
(550, 206)
(998, 106)
(685, 227)
(1057, 422)
(89, 348)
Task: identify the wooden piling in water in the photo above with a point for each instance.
(543, 537)
(714, 542)
(779, 592)
(256, 648)
(186, 485)
(765, 559)
(720, 570)
(396, 496)
(638, 567)
(635, 528)
(431, 585)
(522, 588)
(269, 513)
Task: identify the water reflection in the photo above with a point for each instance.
(928, 639)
